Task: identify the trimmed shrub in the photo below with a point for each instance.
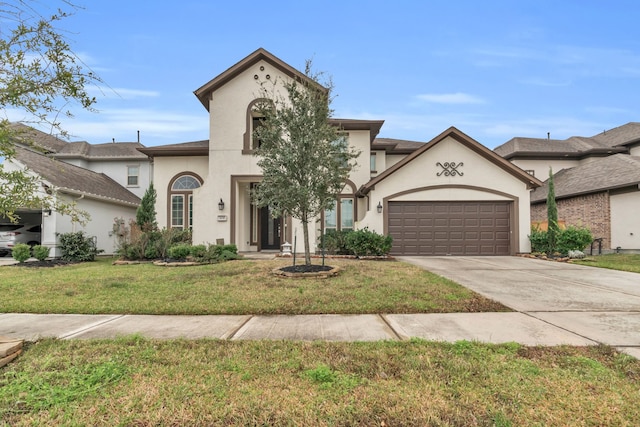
(368, 243)
(334, 242)
(570, 239)
(21, 252)
(180, 252)
(135, 244)
(78, 247)
(40, 252)
(220, 253)
(199, 253)
(539, 240)
(573, 239)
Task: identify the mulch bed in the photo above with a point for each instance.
(45, 263)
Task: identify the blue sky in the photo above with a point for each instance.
(493, 69)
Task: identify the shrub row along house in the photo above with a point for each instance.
(448, 196)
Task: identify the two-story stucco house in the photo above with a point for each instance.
(450, 195)
(105, 180)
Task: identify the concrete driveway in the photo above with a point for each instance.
(598, 304)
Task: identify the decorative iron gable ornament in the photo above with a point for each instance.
(450, 169)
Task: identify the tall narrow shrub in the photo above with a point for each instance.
(552, 214)
(146, 213)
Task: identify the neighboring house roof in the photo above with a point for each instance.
(204, 92)
(72, 179)
(604, 144)
(195, 148)
(617, 171)
(33, 137)
(624, 135)
(465, 140)
(108, 151)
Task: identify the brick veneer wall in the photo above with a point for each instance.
(592, 211)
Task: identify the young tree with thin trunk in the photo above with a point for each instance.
(552, 215)
(305, 160)
(41, 77)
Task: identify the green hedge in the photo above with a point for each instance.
(359, 243)
(570, 239)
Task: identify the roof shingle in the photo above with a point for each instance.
(617, 171)
(69, 177)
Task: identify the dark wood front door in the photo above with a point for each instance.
(270, 230)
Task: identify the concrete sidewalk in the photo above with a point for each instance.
(484, 327)
(554, 303)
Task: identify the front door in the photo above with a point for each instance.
(270, 230)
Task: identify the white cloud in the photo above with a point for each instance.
(450, 98)
(121, 93)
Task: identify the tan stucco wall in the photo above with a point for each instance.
(481, 180)
(541, 167)
(625, 223)
(232, 169)
(165, 169)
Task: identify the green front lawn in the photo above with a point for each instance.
(138, 382)
(236, 287)
(624, 262)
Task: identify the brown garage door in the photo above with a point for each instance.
(450, 228)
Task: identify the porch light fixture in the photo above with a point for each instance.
(379, 207)
(221, 205)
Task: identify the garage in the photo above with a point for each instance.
(450, 227)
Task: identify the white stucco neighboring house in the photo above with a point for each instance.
(112, 191)
(449, 196)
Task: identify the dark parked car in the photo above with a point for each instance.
(11, 234)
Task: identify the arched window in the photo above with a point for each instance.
(181, 200)
(342, 215)
(253, 120)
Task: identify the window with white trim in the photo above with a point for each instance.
(181, 201)
(133, 174)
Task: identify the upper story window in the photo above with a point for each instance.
(256, 122)
(373, 167)
(254, 119)
(133, 174)
(341, 146)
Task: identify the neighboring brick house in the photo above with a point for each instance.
(596, 181)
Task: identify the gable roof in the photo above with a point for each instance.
(76, 180)
(31, 136)
(617, 171)
(604, 144)
(468, 142)
(204, 92)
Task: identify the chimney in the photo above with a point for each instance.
(548, 135)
